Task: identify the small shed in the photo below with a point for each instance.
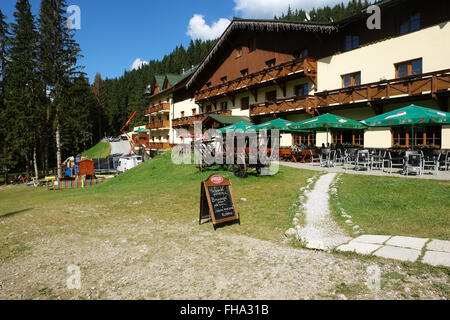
(86, 168)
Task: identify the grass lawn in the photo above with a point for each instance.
(100, 151)
(157, 188)
(395, 206)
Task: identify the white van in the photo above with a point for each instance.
(127, 163)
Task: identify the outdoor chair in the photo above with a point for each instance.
(349, 159)
(414, 163)
(432, 164)
(447, 160)
(362, 160)
(340, 157)
(393, 162)
(377, 161)
(324, 157)
(314, 157)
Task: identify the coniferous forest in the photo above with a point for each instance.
(49, 110)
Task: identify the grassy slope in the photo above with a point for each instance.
(156, 188)
(394, 206)
(100, 151)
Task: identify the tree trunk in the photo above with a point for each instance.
(58, 148)
(36, 171)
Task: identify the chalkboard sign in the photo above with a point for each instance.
(216, 201)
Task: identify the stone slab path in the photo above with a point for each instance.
(321, 231)
(436, 252)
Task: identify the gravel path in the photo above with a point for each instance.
(321, 231)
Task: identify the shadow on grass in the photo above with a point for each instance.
(9, 214)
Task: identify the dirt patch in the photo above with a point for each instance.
(144, 258)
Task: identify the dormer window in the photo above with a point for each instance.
(252, 45)
(351, 42)
(270, 63)
(223, 79)
(411, 24)
(239, 52)
(244, 72)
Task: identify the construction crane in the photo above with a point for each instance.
(124, 132)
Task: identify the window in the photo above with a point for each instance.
(271, 63)
(208, 108)
(348, 137)
(238, 52)
(202, 109)
(351, 79)
(182, 114)
(271, 95)
(224, 105)
(194, 112)
(245, 103)
(244, 72)
(301, 90)
(351, 42)
(223, 79)
(411, 24)
(298, 54)
(208, 84)
(306, 139)
(428, 136)
(408, 68)
(252, 45)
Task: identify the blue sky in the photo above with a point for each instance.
(114, 34)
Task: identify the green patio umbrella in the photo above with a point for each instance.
(280, 124)
(242, 126)
(327, 121)
(141, 130)
(412, 115)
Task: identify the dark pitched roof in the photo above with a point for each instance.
(227, 120)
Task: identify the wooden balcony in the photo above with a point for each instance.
(160, 107)
(158, 145)
(164, 124)
(284, 105)
(433, 83)
(427, 83)
(273, 75)
(189, 121)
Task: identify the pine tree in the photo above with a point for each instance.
(98, 113)
(58, 57)
(23, 89)
(4, 37)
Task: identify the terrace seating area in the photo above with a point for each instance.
(432, 164)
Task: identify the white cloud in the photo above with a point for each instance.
(260, 9)
(138, 63)
(198, 29)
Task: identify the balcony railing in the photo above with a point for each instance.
(432, 82)
(158, 145)
(283, 71)
(158, 125)
(189, 121)
(427, 83)
(284, 105)
(158, 108)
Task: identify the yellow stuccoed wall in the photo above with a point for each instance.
(446, 137)
(378, 138)
(377, 61)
